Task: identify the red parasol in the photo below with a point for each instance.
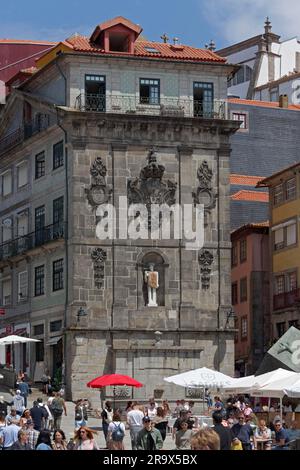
(113, 379)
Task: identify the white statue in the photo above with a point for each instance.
(151, 279)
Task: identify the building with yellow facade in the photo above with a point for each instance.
(284, 188)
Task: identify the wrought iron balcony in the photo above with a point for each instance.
(40, 123)
(286, 299)
(156, 106)
(40, 237)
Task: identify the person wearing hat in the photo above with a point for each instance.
(13, 417)
(149, 438)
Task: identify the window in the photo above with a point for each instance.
(58, 275)
(280, 329)
(234, 254)
(236, 327)
(278, 194)
(279, 239)
(290, 189)
(39, 165)
(294, 323)
(23, 287)
(292, 281)
(149, 91)
(244, 332)
(39, 280)
(279, 284)
(58, 211)
(291, 234)
(39, 351)
(234, 293)
(38, 329)
(243, 289)
(240, 117)
(7, 229)
(22, 174)
(58, 155)
(95, 90)
(39, 225)
(274, 94)
(243, 250)
(203, 94)
(6, 183)
(6, 292)
(22, 221)
(152, 50)
(55, 326)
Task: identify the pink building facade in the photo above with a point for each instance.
(250, 295)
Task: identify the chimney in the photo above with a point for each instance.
(283, 101)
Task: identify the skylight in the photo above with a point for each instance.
(151, 49)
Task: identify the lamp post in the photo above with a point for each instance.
(81, 313)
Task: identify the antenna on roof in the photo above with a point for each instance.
(175, 41)
(165, 38)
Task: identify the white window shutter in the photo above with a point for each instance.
(291, 235)
(6, 183)
(279, 236)
(23, 286)
(22, 175)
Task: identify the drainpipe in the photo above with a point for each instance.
(219, 258)
(66, 241)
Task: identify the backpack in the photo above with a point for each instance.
(118, 433)
(57, 408)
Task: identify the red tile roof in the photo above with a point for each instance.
(24, 41)
(245, 180)
(255, 196)
(166, 51)
(119, 20)
(252, 226)
(268, 180)
(264, 104)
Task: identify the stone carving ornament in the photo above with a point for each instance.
(150, 188)
(99, 257)
(204, 193)
(99, 192)
(205, 259)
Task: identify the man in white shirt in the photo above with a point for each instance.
(135, 423)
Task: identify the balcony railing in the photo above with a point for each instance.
(21, 245)
(286, 299)
(40, 123)
(131, 104)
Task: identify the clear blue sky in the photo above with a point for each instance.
(195, 22)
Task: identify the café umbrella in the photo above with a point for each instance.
(15, 339)
(113, 380)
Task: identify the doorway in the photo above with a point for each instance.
(203, 94)
(95, 90)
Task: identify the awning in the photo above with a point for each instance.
(21, 332)
(53, 340)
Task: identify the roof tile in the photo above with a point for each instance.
(245, 180)
(264, 104)
(245, 195)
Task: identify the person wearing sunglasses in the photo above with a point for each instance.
(84, 439)
(242, 431)
(281, 437)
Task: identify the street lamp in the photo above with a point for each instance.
(81, 313)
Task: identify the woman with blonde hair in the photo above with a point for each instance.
(205, 439)
(84, 439)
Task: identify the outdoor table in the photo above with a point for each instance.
(259, 443)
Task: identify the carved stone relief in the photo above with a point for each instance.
(150, 188)
(99, 192)
(205, 259)
(99, 257)
(205, 194)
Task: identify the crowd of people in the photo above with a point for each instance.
(235, 425)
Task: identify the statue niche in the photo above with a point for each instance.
(153, 280)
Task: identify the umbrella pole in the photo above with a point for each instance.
(114, 392)
(281, 409)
